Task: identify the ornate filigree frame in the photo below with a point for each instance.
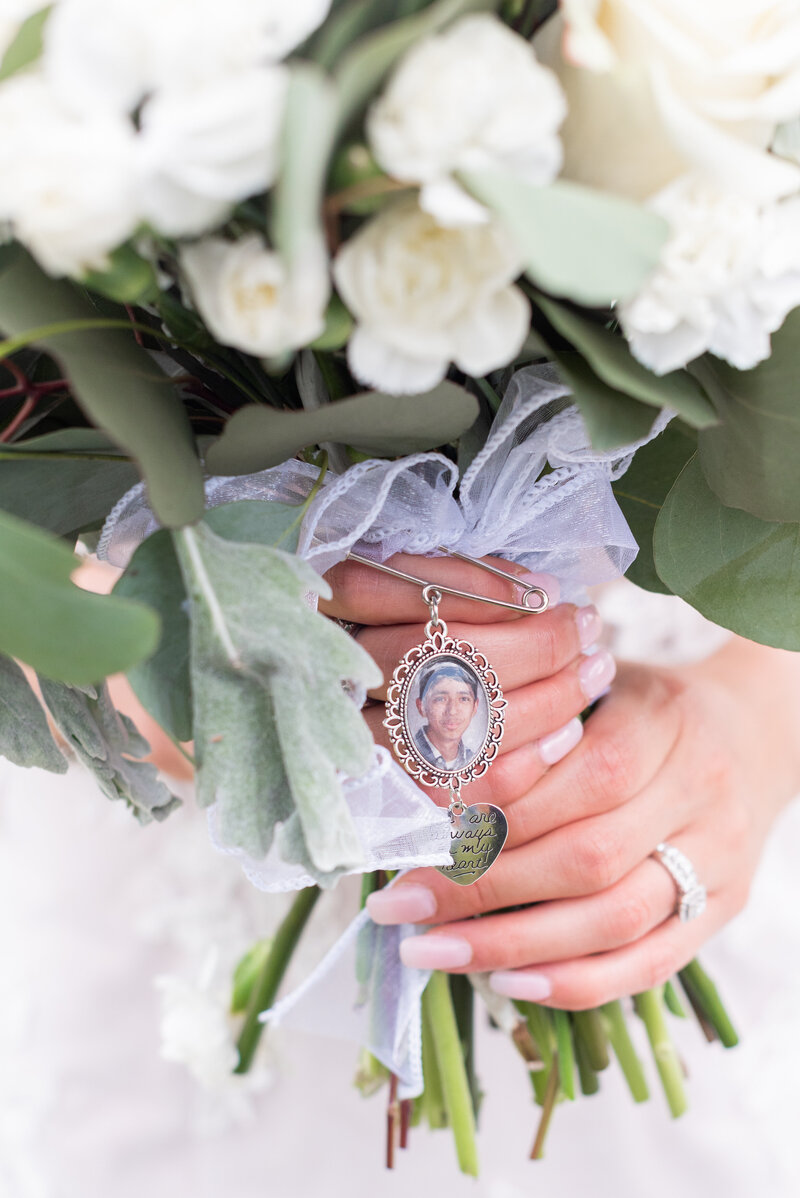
(440, 644)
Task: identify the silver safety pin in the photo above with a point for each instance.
(529, 591)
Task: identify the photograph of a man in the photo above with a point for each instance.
(448, 702)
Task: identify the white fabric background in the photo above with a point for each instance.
(92, 908)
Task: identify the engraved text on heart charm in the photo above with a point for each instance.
(477, 834)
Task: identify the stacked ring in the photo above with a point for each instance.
(691, 893)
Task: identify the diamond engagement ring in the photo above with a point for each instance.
(692, 894)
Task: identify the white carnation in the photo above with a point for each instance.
(118, 51)
(472, 97)
(201, 151)
(250, 299)
(656, 88)
(727, 277)
(68, 185)
(425, 296)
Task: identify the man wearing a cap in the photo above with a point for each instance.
(448, 699)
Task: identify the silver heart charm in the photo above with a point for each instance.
(477, 834)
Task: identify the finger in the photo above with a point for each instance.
(512, 773)
(553, 931)
(586, 982)
(531, 648)
(366, 596)
(627, 741)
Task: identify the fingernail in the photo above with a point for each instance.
(521, 983)
(433, 951)
(596, 672)
(548, 583)
(401, 904)
(555, 746)
(590, 625)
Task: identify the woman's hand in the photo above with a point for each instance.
(546, 675)
(703, 757)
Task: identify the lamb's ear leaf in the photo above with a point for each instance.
(25, 737)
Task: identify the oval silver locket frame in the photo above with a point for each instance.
(440, 644)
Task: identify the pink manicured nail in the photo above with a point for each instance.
(548, 582)
(521, 983)
(433, 951)
(596, 672)
(589, 624)
(555, 746)
(401, 904)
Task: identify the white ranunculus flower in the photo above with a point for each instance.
(659, 87)
(250, 299)
(114, 52)
(70, 196)
(201, 151)
(728, 276)
(425, 295)
(472, 97)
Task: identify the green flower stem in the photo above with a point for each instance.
(271, 974)
(650, 1009)
(431, 1101)
(540, 1026)
(591, 1029)
(624, 1051)
(564, 1053)
(590, 1082)
(673, 1002)
(450, 1058)
(463, 997)
(698, 985)
(548, 1106)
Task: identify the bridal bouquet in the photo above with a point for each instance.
(268, 269)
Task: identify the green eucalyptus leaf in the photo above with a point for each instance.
(257, 437)
(587, 245)
(363, 68)
(129, 278)
(108, 744)
(246, 974)
(611, 417)
(750, 458)
(25, 737)
(642, 490)
(257, 521)
(26, 47)
(272, 721)
(305, 146)
(54, 626)
(612, 361)
(117, 384)
(739, 571)
(71, 488)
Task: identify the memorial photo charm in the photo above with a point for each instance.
(444, 714)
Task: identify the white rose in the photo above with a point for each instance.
(659, 87)
(472, 97)
(250, 299)
(69, 196)
(425, 296)
(728, 276)
(201, 151)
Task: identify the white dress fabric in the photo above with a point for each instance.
(94, 908)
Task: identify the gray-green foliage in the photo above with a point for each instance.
(741, 572)
(25, 737)
(70, 487)
(54, 626)
(107, 742)
(750, 459)
(272, 722)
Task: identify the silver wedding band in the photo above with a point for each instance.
(691, 893)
